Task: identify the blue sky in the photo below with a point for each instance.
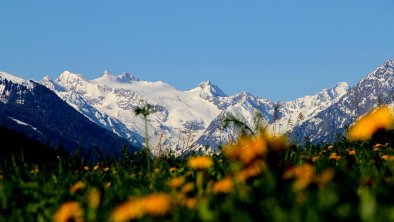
(279, 50)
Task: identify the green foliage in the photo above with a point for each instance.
(360, 190)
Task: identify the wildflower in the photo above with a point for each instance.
(246, 149)
(351, 152)
(325, 177)
(191, 203)
(334, 156)
(158, 204)
(384, 157)
(330, 147)
(364, 128)
(303, 175)
(278, 143)
(200, 162)
(69, 211)
(223, 186)
(77, 186)
(96, 167)
(187, 188)
(94, 198)
(175, 182)
(315, 158)
(375, 149)
(106, 169)
(173, 169)
(189, 173)
(132, 209)
(156, 171)
(251, 171)
(86, 168)
(378, 145)
(387, 157)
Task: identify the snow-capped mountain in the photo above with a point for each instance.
(31, 108)
(183, 120)
(279, 117)
(375, 89)
(110, 100)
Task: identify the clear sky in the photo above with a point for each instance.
(278, 50)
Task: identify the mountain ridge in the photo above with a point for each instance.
(35, 110)
(185, 121)
(182, 118)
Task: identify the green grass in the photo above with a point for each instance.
(361, 189)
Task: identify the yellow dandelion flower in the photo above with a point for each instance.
(223, 186)
(325, 177)
(315, 158)
(158, 204)
(303, 175)
(106, 169)
(375, 149)
(69, 211)
(130, 210)
(175, 182)
(96, 167)
(252, 170)
(191, 203)
(187, 188)
(189, 173)
(173, 169)
(387, 157)
(278, 143)
(364, 128)
(77, 186)
(246, 149)
(86, 168)
(334, 156)
(351, 152)
(94, 198)
(377, 145)
(200, 162)
(330, 147)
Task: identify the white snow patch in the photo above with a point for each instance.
(24, 124)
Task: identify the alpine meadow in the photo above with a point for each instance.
(196, 111)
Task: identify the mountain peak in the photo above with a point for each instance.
(341, 88)
(50, 84)
(15, 79)
(208, 90)
(68, 76)
(107, 73)
(47, 78)
(127, 77)
(389, 63)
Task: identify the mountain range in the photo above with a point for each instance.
(184, 121)
(29, 107)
